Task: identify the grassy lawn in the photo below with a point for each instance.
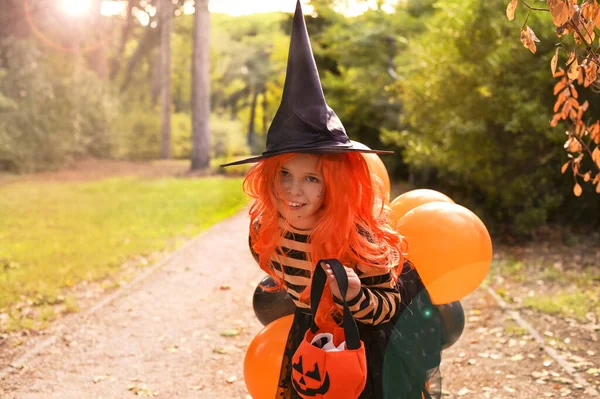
(55, 235)
(573, 292)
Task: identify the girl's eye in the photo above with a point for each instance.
(312, 179)
(284, 173)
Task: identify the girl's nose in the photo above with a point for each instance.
(294, 188)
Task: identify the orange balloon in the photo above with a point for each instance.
(449, 246)
(262, 363)
(377, 168)
(414, 198)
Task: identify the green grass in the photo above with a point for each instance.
(55, 235)
(576, 304)
(513, 329)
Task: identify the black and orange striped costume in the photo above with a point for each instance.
(403, 347)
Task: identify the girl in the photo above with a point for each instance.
(309, 207)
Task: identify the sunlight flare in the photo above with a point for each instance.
(76, 8)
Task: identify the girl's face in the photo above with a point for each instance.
(302, 191)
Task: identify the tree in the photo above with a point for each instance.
(201, 87)
(166, 19)
(477, 113)
(575, 23)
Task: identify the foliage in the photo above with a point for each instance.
(51, 110)
(245, 60)
(477, 115)
(575, 24)
(227, 137)
(137, 136)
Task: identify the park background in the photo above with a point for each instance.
(114, 117)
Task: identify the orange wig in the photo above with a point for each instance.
(354, 222)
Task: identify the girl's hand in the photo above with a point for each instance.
(353, 282)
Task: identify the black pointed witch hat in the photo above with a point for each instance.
(304, 122)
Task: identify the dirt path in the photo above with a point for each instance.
(162, 336)
(183, 331)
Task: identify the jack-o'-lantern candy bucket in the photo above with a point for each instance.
(330, 364)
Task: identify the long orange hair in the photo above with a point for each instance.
(353, 227)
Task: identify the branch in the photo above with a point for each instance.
(127, 28)
(587, 46)
(585, 147)
(146, 43)
(533, 8)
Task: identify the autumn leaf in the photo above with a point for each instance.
(528, 38)
(596, 156)
(572, 114)
(590, 73)
(573, 71)
(580, 129)
(596, 15)
(566, 109)
(99, 378)
(560, 85)
(554, 62)
(577, 190)
(573, 145)
(562, 97)
(586, 177)
(510, 10)
(561, 11)
(574, 93)
(560, 73)
(587, 9)
(555, 119)
(231, 379)
(564, 167)
(576, 163)
(230, 333)
(594, 131)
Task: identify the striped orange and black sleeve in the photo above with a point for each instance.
(378, 300)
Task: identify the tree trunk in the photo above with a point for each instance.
(264, 112)
(250, 139)
(233, 113)
(97, 57)
(154, 76)
(115, 63)
(201, 87)
(146, 43)
(166, 20)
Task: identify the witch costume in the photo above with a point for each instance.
(403, 349)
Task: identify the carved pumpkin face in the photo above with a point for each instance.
(309, 382)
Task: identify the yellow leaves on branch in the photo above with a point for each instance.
(582, 68)
(561, 10)
(510, 10)
(528, 38)
(591, 12)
